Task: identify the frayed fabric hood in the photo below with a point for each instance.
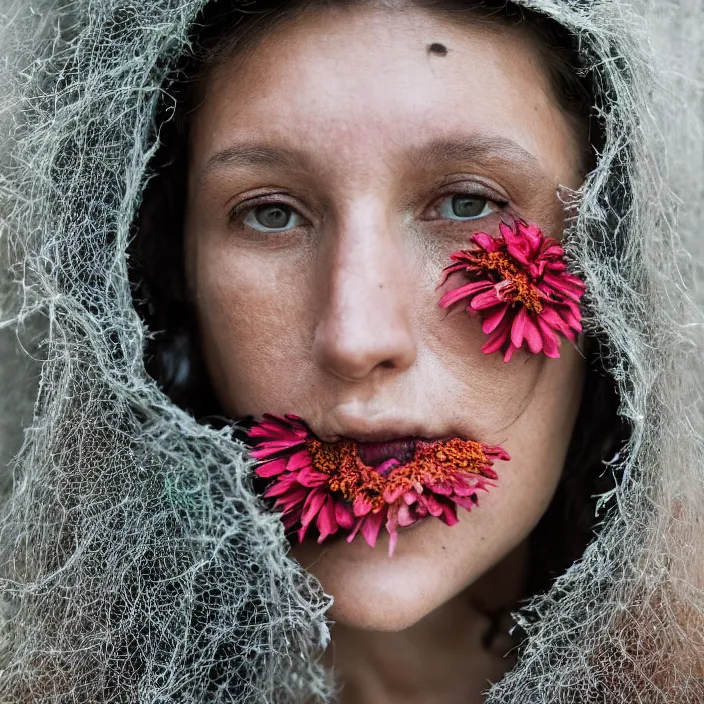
(138, 565)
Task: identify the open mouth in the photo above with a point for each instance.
(350, 487)
(374, 454)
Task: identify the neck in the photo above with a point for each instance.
(448, 657)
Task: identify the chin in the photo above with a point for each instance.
(375, 592)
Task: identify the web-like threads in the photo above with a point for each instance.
(138, 564)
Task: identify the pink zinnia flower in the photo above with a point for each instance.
(519, 283)
(328, 488)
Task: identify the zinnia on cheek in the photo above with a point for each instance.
(327, 485)
(520, 285)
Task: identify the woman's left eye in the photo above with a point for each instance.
(465, 207)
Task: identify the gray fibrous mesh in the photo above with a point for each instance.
(138, 564)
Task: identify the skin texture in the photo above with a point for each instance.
(345, 116)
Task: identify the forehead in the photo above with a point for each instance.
(363, 81)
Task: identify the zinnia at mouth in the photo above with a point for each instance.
(350, 487)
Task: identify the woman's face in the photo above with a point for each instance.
(325, 193)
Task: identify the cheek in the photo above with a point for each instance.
(482, 390)
(253, 326)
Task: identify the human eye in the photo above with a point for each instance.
(464, 206)
(272, 217)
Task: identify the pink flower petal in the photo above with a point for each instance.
(494, 318)
(298, 460)
(532, 335)
(267, 449)
(456, 295)
(490, 472)
(310, 478)
(566, 284)
(393, 537)
(463, 485)
(449, 514)
(371, 526)
(326, 522)
(571, 319)
(509, 352)
(292, 501)
(551, 345)
(505, 230)
(344, 516)
(269, 427)
(405, 516)
(488, 299)
(443, 488)
(498, 338)
(361, 506)
(286, 483)
(387, 465)
(551, 317)
(271, 469)
(557, 267)
(485, 241)
(467, 502)
(289, 429)
(518, 327)
(496, 452)
(356, 528)
(410, 497)
(432, 504)
(392, 495)
(313, 504)
(448, 271)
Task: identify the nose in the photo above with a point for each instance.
(365, 324)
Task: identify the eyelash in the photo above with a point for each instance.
(242, 210)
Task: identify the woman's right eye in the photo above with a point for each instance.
(273, 217)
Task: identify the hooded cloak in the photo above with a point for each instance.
(137, 563)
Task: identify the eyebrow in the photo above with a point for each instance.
(475, 149)
(252, 155)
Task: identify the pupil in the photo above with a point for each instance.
(273, 216)
(467, 206)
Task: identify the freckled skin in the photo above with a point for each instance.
(337, 320)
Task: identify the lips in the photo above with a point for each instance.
(374, 453)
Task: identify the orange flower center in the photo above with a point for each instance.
(516, 286)
(432, 463)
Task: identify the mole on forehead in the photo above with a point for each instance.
(437, 49)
